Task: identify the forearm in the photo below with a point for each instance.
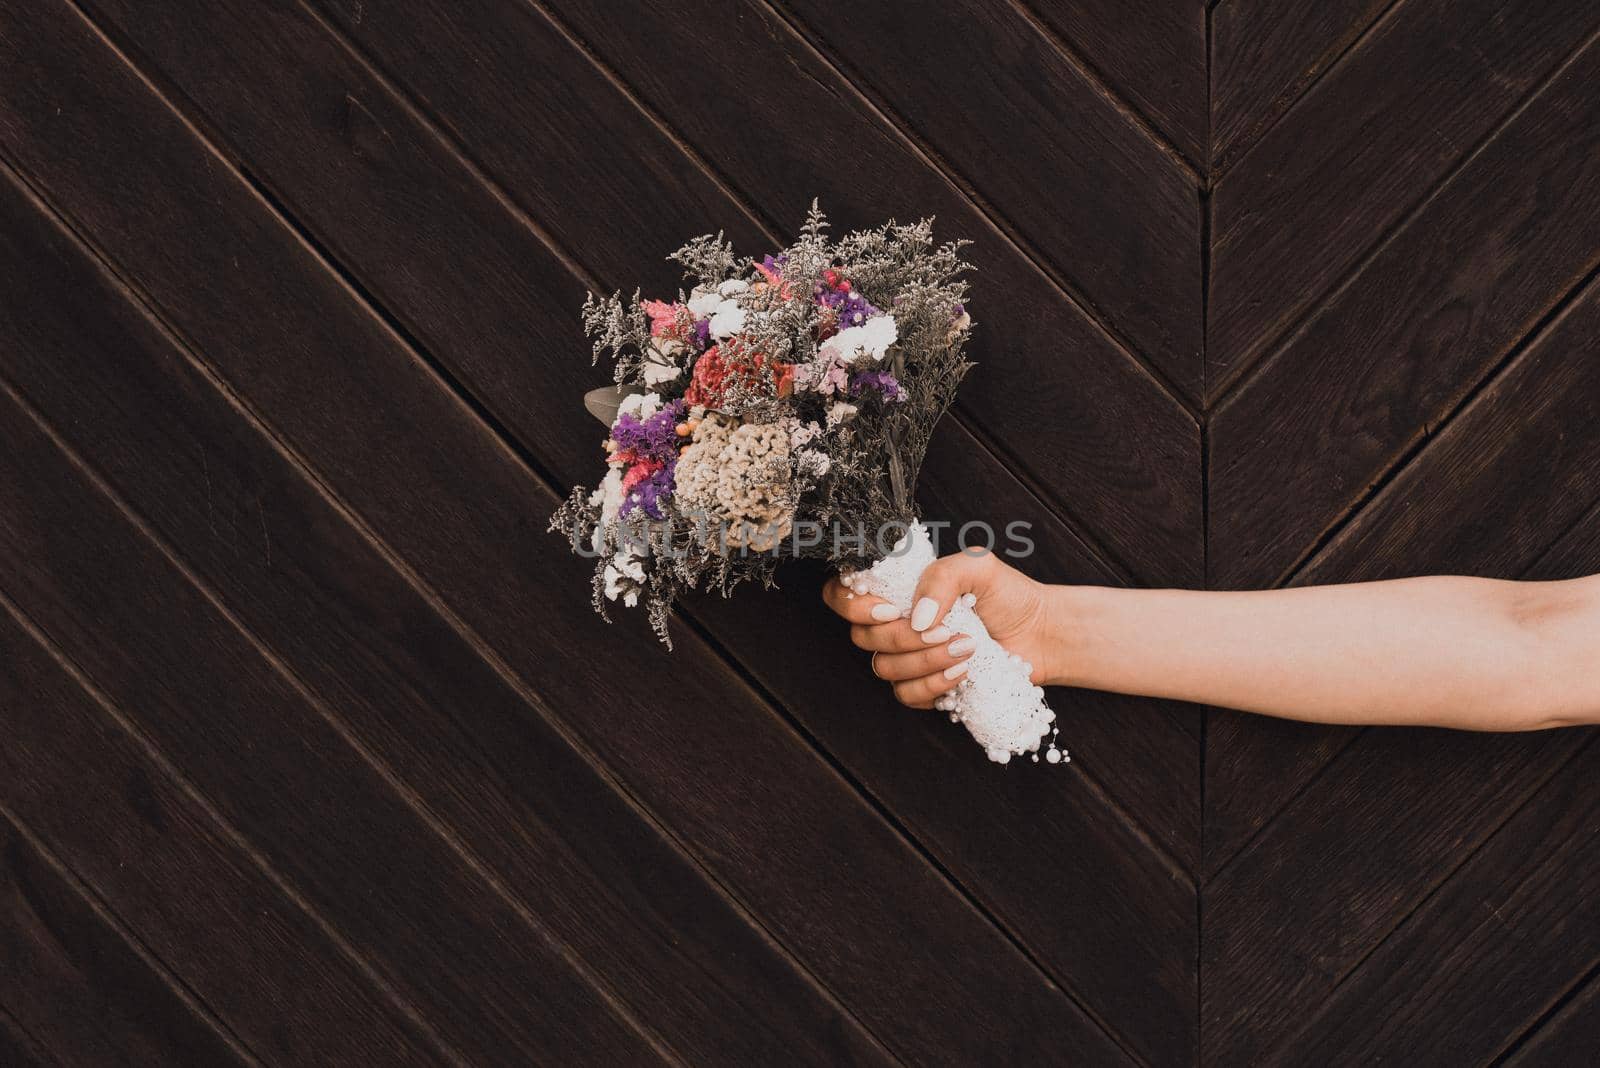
(1469, 653)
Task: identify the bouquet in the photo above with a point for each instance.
(781, 408)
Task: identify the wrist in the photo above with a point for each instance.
(1063, 635)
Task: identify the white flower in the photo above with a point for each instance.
(840, 412)
(801, 433)
(703, 302)
(728, 319)
(733, 287)
(608, 495)
(814, 462)
(640, 405)
(872, 337)
(661, 362)
(624, 576)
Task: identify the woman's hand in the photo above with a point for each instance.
(923, 659)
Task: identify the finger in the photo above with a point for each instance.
(944, 580)
(857, 607)
(921, 693)
(897, 637)
(900, 667)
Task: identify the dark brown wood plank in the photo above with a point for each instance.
(17, 1046)
(1571, 1036)
(951, 810)
(274, 763)
(1488, 954)
(764, 813)
(1521, 926)
(1153, 52)
(75, 982)
(1376, 371)
(649, 213)
(1265, 53)
(565, 843)
(1395, 812)
(1111, 211)
(196, 895)
(1349, 859)
(1069, 427)
(1487, 496)
(1364, 147)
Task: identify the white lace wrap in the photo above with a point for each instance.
(996, 698)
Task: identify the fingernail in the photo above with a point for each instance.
(936, 635)
(955, 671)
(884, 612)
(922, 614)
(962, 646)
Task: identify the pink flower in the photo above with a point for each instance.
(663, 316)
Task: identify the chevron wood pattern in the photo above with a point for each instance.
(313, 752)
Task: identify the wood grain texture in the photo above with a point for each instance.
(278, 979)
(1510, 465)
(1380, 367)
(76, 982)
(311, 750)
(1280, 941)
(766, 815)
(1570, 1036)
(1109, 209)
(1073, 430)
(1391, 121)
(753, 628)
(1522, 914)
(567, 845)
(1152, 53)
(380, 875)
(1265, 54)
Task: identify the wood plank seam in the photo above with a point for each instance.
(35, 1048)
(1102, 85)
(1250, 841)
(1002, 226)
(1330, 61)
(1053, 501)
(1428, 893)
(1333, 535)
(737, 668)
(28, 1040)
(1271, 345)
(409, 576)
(402, 790)
(583, 274)
(1578, 989)
(752, 211)
(226, 829)
(103, 911)
(460, 395)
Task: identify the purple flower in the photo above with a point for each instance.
(853, 309)
(650, 493)
(880, 382)
(655, 438)
(702, 334)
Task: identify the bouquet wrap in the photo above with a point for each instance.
(996, 699)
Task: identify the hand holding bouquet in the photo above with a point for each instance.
(782, 408)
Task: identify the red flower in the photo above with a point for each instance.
(722, 365)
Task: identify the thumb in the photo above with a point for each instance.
(945, 579)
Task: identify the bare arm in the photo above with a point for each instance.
(1475, 654)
